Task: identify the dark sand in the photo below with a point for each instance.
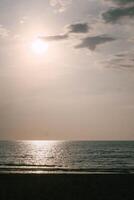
(67, 186)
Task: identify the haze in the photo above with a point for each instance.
(82, 85)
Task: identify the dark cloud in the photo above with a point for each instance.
(115, 14)
(72, 28)
(122, 2)
(92, 42)
(78, 28)
(120, 55)
(126, 65)
(54, 37)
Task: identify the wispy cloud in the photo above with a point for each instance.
(60, 5)
(92, 42)
(121, 61)
(54, 37)
(23, 20)
(3, 32)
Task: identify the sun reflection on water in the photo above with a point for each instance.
(41, 152)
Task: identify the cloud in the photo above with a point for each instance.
(126, 66)
(122, 60)
(115, 14)
(3, 32)
(60, 5)
(72, 28)
(122, 2)
(120, 55)
(78, 28)
(23, 20)
(122, 8)
(92, 42)
(54, 37)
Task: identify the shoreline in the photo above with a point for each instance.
(65, 172)
(59, 170)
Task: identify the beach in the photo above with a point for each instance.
(69, 170)
(66, 186)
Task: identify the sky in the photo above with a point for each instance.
(67, 69)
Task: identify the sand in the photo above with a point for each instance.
(66, 186)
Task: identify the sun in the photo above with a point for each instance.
(39, 47)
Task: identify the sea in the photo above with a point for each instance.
(66, 157)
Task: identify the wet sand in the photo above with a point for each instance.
(66, 186)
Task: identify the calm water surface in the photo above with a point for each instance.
(62, 156)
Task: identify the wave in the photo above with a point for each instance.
(25, 165)
(19, 168)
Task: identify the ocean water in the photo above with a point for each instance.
(67, 156)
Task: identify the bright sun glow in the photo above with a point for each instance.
(39, 47)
